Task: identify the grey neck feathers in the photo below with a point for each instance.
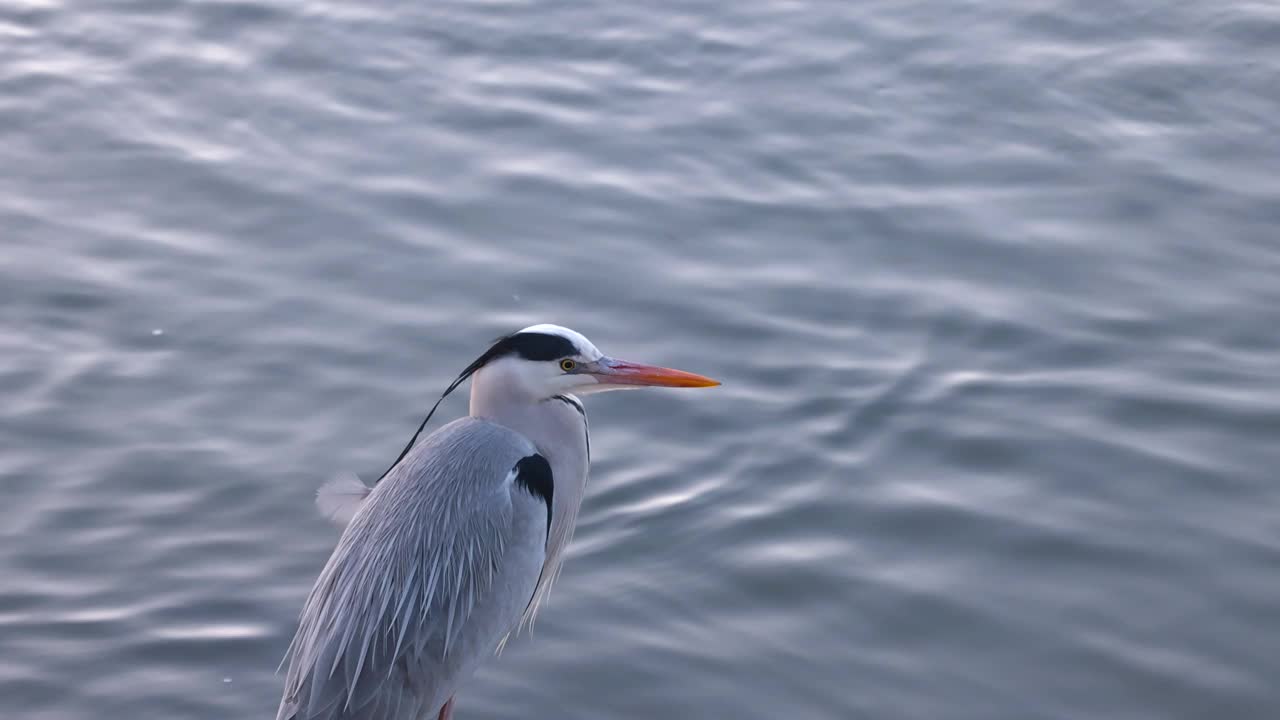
(557, 426)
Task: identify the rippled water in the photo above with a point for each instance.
(994, 289)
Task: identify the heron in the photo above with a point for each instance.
(455, 546)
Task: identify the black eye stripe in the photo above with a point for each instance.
(530, 346)
(537, 346)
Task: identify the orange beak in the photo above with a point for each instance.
(620, 372)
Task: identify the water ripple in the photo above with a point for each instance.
(991, 288)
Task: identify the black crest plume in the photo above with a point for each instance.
(530, 346)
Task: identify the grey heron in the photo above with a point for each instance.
(457, 543)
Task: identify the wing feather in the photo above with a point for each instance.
(341, 497)
(419, 581)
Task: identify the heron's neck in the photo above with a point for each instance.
(496, 397)
(555, 425)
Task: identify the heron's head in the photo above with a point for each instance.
(542, 361)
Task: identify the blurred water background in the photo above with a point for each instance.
(993, 289)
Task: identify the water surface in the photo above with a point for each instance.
(992, 288)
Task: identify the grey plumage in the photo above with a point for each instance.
(385, 633)
(460, 540)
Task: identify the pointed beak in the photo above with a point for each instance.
(620, 372)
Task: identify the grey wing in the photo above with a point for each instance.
(433, 571)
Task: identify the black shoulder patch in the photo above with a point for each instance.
(533, 473)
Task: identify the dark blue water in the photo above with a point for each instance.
(993, 288)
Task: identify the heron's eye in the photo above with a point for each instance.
(567, 365)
